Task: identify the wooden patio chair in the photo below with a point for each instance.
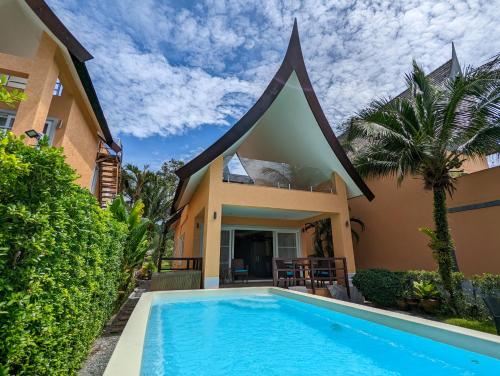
(238, 268)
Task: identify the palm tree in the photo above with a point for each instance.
(137, 242)
(430, 134)
(134, 180)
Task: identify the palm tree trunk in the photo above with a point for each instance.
(443, 251)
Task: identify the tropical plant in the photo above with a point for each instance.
(9, 97)
(322, 235)
(429, 134)
(134, 180)
(156, 189)
(136, 243)
(425, 290)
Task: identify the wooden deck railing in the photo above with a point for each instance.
(180, 263)
(315, 270)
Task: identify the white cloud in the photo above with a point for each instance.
(161, 68)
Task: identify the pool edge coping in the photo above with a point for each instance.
(127, 355)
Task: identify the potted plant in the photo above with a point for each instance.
(402, 301)
(428, 294)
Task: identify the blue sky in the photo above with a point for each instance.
(173, 76)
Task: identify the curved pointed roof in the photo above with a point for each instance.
(292, 62)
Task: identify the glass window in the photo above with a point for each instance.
(225, 248)
(58, 88)
(6, 121)
(50, 129)
(95, 176)
(287, 244)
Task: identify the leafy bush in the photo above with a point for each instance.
(379, 286)
(487, 284)
(60, 259)
(425, 290)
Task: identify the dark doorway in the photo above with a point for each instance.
(256, 249)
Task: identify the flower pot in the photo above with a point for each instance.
(402, 304)
(430, 305)
(412, 303)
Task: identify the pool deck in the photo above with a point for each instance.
(126, 359)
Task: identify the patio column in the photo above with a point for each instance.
(341, 228)
(32, 113)
(212, 227)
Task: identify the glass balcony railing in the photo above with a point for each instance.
(277, 175)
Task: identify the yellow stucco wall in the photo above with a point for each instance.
(79, 132)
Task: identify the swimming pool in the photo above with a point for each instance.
(276, 332)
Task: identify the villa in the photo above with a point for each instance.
(280, 167)
(40, 56)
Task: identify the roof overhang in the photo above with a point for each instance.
(76, 55)
(290, 85)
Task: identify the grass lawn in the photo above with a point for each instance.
(482, 326)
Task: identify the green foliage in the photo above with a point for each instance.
(482, 326)
(60, 257)
(379, 286)
(487, 284)
(322, 237)
(136, 243)
(425, 290)
(469, 304)
(156, 189)
(9, 97)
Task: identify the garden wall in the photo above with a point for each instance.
(391, 239)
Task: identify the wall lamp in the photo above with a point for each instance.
(33, 134)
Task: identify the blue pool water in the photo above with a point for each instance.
(264, 334)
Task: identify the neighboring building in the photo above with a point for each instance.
(279, 167)
(391, 238)
(40, 56)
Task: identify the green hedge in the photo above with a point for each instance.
(60, 259)
(380, 286)
(383, 287)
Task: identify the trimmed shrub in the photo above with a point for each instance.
(60, 260)
(487, 284)
(380, 286)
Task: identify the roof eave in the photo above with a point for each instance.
(54, 24)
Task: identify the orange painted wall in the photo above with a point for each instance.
(186, 226)
(392, 240)
(79, 132)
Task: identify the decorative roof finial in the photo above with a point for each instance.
(455, 65)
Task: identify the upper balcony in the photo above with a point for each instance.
(277, 175)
